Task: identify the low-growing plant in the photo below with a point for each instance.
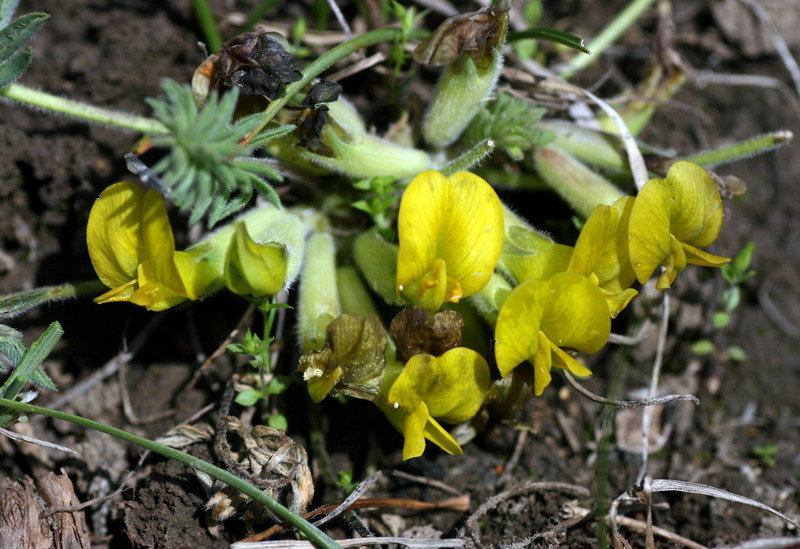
(400, 231)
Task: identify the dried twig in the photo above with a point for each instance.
(514, 459)
(703, 78)
(661, 532)
(109, 368)
(669, 485)
(362, 487)
(426, 481)
(770, 543)
(408, 542)
(777, 40)
(127, 407)
(635, 158)
(635, 339)
(657, 362)
(460, 503)
(340, 18)
(358, 66)
(471, 528)
(772, 312)
(626, 403)
(32, 440)
(246, 319)
(92, 502)
(442, 7)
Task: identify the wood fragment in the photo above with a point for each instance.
(25, 519)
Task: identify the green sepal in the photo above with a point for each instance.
(254, 269)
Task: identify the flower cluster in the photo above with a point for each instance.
(456, 241)
(458, 250)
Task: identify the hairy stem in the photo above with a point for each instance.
(742, 149)
(85, 111)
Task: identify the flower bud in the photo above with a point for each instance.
(472, 46)
(578, 185)
(319, 301)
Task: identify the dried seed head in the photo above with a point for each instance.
(476, 34)
(256, 62)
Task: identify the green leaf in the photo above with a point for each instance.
(271, 134)
(17, 303)
(15, 35)
(720, 320)
(703, 347)
(7, 9)
(731, 298)
(741, 262)
(512, 123)
(278, 421)
(553, 35)
(29, 370)
(279, 384)
(206, 164)
(248, 397)
(737, 353)
(11, 347)
(12, 69)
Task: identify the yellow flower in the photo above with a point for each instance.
(541, 317)
(671, 220)
(450, 388)
(133, 251)
(451, 235)
(601, 253)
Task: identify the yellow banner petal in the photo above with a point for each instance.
(458, 220)
(113, 234)
(159, 247)
(697, 211)
(649, 229)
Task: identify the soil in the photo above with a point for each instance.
(743, 437)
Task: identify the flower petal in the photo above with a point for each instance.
(564, 360)
(569, 309)
(542, 364)
(158, 244)
(517, 328)
(411, 386)
(602, 247)
(696, 206)
(577, 314)
(458, 220)
(113, 234)
(649, 230)
(461, 380)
